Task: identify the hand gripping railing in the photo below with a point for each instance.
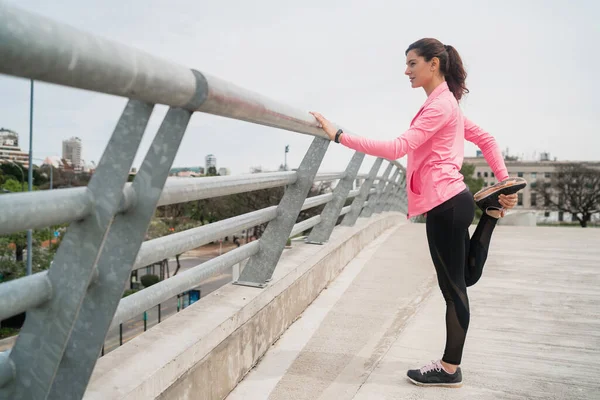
(71, 306)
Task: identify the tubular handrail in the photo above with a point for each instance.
(40, 209)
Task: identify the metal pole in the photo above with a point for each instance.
(261, 266)
(359, 201)
(30, 176)
(331, 212)
(22, 174)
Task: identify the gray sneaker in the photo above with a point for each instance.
(434, 375)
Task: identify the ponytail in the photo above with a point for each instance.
(455, 73)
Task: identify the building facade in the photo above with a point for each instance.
(9, 148)
(536, 173)
(211, 161)
(187, 171)
(71, 151)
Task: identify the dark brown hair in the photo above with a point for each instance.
(450, 63)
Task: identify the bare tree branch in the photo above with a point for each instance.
(574, 189)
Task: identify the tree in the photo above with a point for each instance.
(212, 171)
(12, 185)
(149, 280)
(474, 184)
(575, 189)
(12, 246)
(9, 170)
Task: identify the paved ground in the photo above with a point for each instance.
(534, 334)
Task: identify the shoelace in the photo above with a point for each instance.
(435, 365)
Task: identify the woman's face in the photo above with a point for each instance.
(419, 71)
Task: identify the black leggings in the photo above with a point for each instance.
(458, 261)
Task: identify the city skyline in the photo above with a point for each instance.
(536, 155)
(520, 91)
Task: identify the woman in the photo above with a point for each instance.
(434, 144)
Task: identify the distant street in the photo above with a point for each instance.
(135, 326)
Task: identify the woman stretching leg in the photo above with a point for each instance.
(434, 145)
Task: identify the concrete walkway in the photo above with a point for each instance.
(534, 333)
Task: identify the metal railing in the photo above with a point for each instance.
(71, 306)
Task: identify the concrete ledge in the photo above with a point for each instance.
(8, 343)
(519, 218)
(205, 350)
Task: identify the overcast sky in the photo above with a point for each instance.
(532, 65)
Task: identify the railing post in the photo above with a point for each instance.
(402, 201)
(42, 341)
(391, 196)
(260, 267)
(359, 201)
(390, 187)
(331, 212)
(374, 198)
(395, 197)
(116, 260)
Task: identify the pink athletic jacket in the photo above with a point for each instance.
(434, 144)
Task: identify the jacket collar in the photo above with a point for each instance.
(437, 92)
(441, 88)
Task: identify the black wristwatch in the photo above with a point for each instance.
(337, 135)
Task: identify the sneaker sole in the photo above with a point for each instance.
(510, 187)
(448, 385)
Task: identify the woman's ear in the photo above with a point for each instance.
(435, 63)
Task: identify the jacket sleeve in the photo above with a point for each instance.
(430, 121)
(489, 147)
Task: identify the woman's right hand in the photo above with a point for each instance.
(327, 126)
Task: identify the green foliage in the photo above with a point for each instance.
(212, 171)
(473, 183)
(149, 280)
(178, 217)
(183, 216)
(65, 179)
(8, 332)
(129, 292)
(12, 248)
(13, 185)
(11, 171)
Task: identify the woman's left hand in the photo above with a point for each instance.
(327, 126)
